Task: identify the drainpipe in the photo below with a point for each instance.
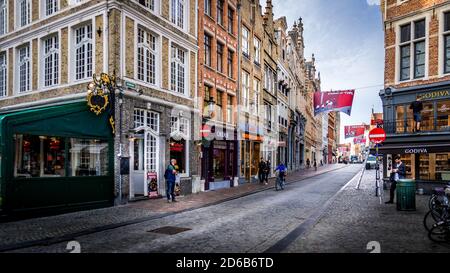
(119, 155)
(238, 91)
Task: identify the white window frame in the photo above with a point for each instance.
(256, 94)
(257, 49)
(246, 90)
(3, 74)
(146, 119)
(398, 25)
(246, 41)
(44, 7)
(19, 63)
(442, 34)
(4, 17)
(175, 13)
(149, 4)
(176, 127)
(84, 42)
(19, 13)
(151, 48)
(178, 65)
(229, 109)
(55, 52)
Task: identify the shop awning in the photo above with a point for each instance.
(416, 148)
(71, 119)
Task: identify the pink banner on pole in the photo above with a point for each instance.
(340, 101)
(354, 130)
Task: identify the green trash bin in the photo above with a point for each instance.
(406, 195)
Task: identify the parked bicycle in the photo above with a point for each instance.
(437, 219)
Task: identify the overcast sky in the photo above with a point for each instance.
(347, 39)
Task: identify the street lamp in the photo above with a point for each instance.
(211, 105)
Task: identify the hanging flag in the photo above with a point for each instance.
(359, 140)
(354, 130)
(340, 101)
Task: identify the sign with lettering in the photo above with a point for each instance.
(152, 182)
(416, 151)
(435, 95)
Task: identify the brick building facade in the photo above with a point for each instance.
(50, 56)
(417, 66)
(217, 82)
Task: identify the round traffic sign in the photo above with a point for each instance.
(377, 135)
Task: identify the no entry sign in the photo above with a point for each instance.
(377, 135)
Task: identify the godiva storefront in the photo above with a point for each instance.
(55, 158)
(426, 153)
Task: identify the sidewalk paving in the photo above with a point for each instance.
(36, 230)
(356, 218)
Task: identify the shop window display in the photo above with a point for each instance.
(39, 156)
(49, 156)
(88, 157)
(443, 115)
(178, 152)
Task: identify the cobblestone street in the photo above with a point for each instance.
(356, 218)
(319, 212)
(31, 231)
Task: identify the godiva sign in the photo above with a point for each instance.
(435, 95)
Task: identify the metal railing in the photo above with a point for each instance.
(406, 126)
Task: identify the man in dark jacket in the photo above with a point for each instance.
(261, 170)
(398, 173)
(417, 108)
(170, 176)
(267, 172)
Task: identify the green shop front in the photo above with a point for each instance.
(54, 159)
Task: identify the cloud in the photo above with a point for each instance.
(373, 2)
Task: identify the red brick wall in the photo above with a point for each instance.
(220, 34)
(402, 11)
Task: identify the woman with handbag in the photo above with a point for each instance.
(398, 173)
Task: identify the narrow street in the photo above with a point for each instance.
(253, 224)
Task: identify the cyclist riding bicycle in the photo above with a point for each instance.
(281, 175)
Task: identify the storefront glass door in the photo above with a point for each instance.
(137, 173)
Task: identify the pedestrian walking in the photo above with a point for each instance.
(315, 165)
(267, 172)
(281, 176)
(308, 163)
(171, 175)
(417, 108)
(399, 172)
(261, 170)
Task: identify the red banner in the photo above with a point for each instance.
(340, 101)
(359, 140)
(354, 130)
